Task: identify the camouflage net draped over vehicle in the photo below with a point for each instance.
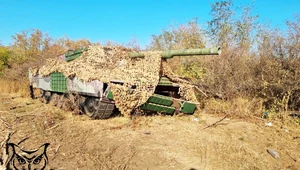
(186, 90)
(113, 63)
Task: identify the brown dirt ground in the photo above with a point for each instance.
(147, 142)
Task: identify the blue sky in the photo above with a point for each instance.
(121, 21)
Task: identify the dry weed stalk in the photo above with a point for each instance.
(216, 122)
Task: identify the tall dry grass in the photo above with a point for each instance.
(237, 107)
(20, 87)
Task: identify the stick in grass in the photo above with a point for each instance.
(216, 122)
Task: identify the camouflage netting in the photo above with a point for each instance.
(186, 90)
(113, 63)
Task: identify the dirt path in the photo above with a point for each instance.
(156, 142)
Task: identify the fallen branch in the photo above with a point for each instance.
(53, 127)
(216, 122)
(197, 88)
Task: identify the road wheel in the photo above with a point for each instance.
(97, 110)
(46, 96)
(90, 106)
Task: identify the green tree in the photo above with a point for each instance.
(232, 26)
(5, 54)
(183, 37)
(245, 28)
(29, 45)
(221, 27)
(277, 73)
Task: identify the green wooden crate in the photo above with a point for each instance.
(188, 107)
(160, 99)
(158, 108)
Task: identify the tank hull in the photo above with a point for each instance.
(100, 92)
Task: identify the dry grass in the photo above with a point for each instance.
(284, 119)
(147, 142)
(20, 87)
(238, 107)
(152, 142)
(249, 110)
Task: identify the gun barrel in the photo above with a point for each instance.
(185, 52)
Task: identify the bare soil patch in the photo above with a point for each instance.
(147, 142)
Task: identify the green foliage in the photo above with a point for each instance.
(191, 70)
(185, 36)
(5, 55)
(227, 29)
(29, 45)
(221, 27)
(256, 61)
(32, 47)
(278, 69)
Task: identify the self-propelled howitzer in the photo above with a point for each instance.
(95, 91)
